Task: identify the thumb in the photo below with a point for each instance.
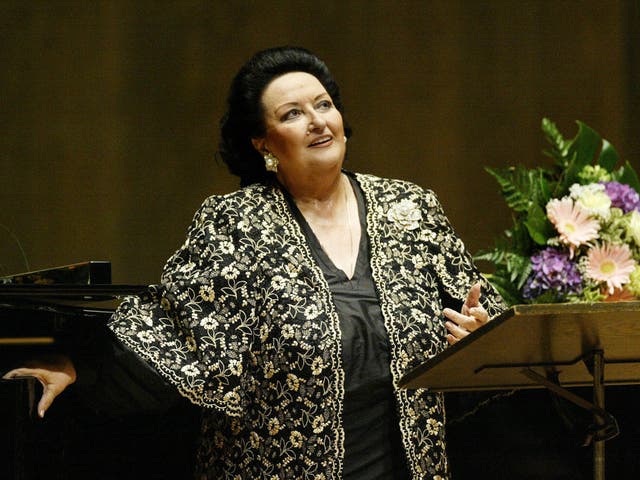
(473, 297)
(48, 395)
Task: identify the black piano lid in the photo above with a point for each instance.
(91, 272)
(69, 291)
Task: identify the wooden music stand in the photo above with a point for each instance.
(552, 346)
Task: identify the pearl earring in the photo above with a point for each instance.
(270, 162)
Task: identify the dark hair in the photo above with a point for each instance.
(244, 118)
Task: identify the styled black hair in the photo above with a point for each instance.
(244, 118)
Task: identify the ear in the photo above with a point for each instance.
(259, 145)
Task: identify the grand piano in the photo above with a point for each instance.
(53, 311)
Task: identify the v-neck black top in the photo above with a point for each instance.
(373, 445)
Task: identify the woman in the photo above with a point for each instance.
(297, 303)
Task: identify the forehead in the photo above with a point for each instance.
(291, 88)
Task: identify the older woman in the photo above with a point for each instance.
(297, 302)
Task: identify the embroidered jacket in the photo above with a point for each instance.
(244, 325)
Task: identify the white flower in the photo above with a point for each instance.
(592, 198)
(406, 214)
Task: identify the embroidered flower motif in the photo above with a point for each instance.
(230, 272)
(165, 304)
(293, 382)
(190, 370)
(317, 365)
(235, 367)
(209, 323)
(232, 398)
(207, 293)
(191, 344)
(318, 424)
(254, 439)
(273, 426)
(296, 439)
(288, 331)
(268, 369)
(227, 247)
(145, 336)
(405, 213)
(312, 312)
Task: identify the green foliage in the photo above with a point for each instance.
(626, 174)
(608, 157)
(520, 187)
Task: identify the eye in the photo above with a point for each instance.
(291, 114)
(324, 105)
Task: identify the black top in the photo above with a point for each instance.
(373, 445)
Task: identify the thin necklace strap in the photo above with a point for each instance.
(346, 183)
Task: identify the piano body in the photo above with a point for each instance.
(52, 311)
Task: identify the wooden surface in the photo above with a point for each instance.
(539, 336)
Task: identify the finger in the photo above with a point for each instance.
(48, 395)
(455, 330)
(20, 372)
(473, 297)
(464, 321)
(480, 314)
(451, 339)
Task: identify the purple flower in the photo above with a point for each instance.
(552, 271)
(622, 196)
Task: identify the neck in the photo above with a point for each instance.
(318, 196)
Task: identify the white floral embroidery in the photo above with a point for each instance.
(405, 213)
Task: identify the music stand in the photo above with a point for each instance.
(546, 346)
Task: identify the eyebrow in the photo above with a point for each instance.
(279, 107)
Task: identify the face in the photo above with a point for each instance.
(304, 129)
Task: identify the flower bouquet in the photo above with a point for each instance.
(576, 225)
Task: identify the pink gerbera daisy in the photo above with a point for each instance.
(612, 264)
(573, 223)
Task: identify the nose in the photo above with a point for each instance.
(316, 122)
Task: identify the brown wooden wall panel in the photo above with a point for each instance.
(110, 108)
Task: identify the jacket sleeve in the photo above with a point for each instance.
(197, 328)
(453, 264)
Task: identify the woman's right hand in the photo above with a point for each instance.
(55, 373)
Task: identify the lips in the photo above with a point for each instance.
(320, 141)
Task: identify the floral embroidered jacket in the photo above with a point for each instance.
(244, 325)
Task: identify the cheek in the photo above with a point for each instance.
(337, 124)
(285, 139)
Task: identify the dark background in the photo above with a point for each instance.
(109, 109)
(109, 113)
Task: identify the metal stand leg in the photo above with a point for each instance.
(598, 401)
(604, 426)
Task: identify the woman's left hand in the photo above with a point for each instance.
(471, 317)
